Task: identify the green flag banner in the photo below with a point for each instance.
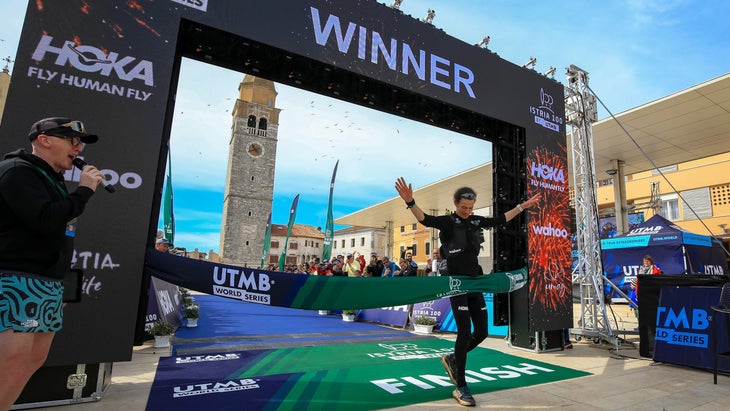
(168, 217)
(329, 228)
(292, 217)
(314, 292)
(267, 243)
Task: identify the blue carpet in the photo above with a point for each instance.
(228, 325)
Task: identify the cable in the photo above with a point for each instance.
(654, 165)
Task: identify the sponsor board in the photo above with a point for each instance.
(684, 327)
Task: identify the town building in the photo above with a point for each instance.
(361, 240)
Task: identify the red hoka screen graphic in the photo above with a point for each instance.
(549, 235)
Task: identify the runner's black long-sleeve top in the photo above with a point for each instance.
(466, 263)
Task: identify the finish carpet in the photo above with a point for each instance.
(361, 376)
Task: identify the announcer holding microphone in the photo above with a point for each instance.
(37, 228)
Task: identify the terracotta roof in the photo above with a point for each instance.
(298, 230)
(351, 229)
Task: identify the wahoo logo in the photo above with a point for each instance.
(214, 387)
(546, 172)
(93, 60)
(550, 231)
(454, 251)
(129, 180)
(683, 328)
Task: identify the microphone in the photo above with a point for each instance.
(80, 164)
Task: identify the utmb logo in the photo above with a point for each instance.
(667, 318)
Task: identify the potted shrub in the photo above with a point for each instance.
(162, 331)
(348, 315)
(423, 324)
(192, 313)
(188, 300)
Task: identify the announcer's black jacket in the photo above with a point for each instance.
(35, 207)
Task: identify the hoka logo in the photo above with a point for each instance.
(546, 172)
(91, 60)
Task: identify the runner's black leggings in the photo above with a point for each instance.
(466, 307)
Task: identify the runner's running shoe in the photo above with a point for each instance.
(449, 363)
(463, 396)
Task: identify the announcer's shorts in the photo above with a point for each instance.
(30, 304)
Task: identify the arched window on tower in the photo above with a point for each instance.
(251, 121)
(262, 124)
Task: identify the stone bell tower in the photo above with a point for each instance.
(250, 178)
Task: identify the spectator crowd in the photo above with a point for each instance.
(355, 265)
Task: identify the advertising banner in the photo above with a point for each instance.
(683, 327)
(549, 238)
(395, 316)
(439, 309)
(446, 320)
(164, 303)
(312, 292)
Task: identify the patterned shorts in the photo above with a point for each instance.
(30, 304)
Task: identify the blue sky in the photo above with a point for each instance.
(635, 52)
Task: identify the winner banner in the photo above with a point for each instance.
(312, 292)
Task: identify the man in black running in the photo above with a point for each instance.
(460, 235)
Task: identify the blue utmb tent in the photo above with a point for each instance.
(674, 251)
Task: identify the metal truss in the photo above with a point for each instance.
(581, 113)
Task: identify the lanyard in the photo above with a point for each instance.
(55, 182)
